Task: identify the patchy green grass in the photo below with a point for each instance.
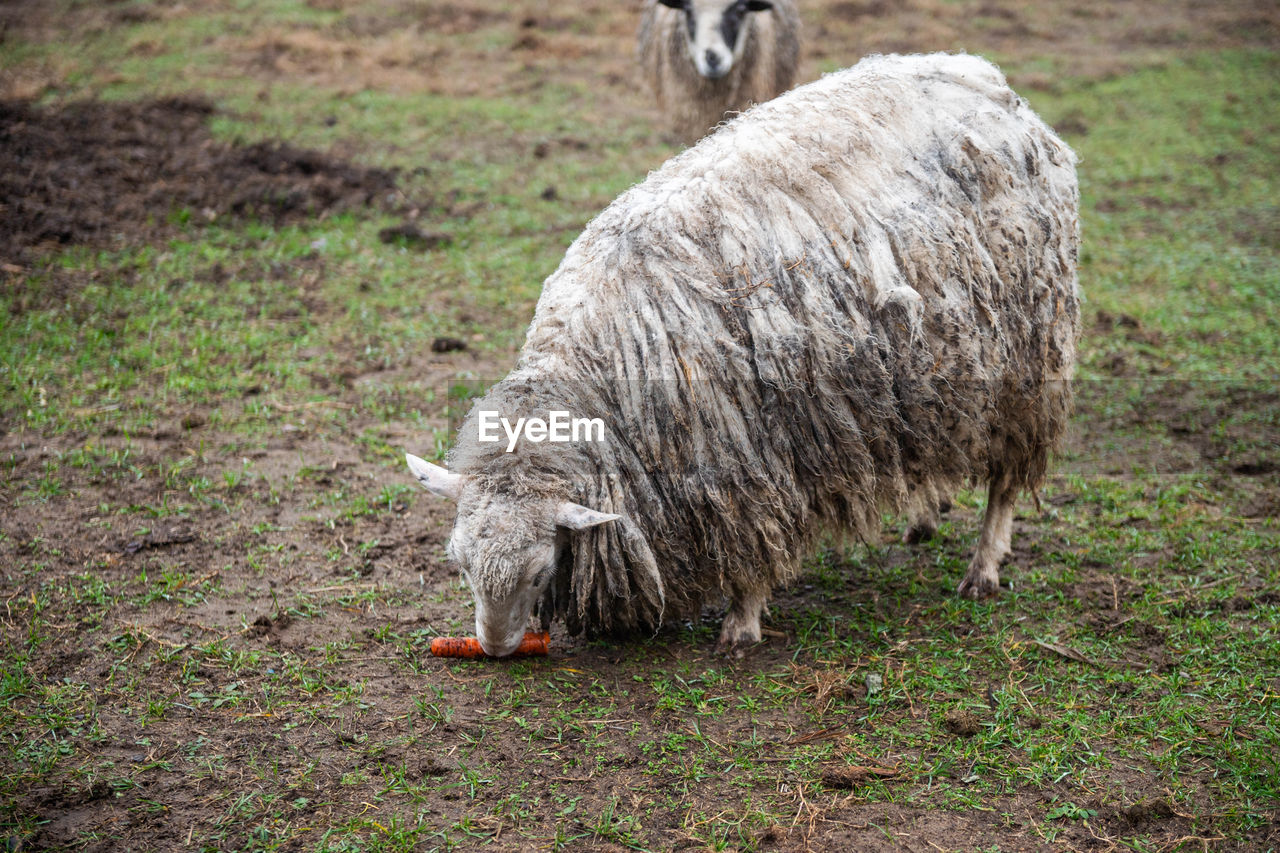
(1180, 217)
(220, 589)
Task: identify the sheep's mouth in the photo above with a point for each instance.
(503, 649)
(712, 65)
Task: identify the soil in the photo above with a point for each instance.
(961, 722)
(106, 173)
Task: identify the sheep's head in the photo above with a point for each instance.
(507, 548)
(714, 31)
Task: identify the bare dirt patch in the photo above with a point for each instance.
(125, 173)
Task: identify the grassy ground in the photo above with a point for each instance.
(219, 585)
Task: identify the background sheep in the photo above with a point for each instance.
(706, 58)
(857, 297)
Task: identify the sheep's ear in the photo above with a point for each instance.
(437, 480)
(578, 517)
(673, 4)
(759, 5)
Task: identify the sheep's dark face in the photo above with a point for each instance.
(715, 31)
(507, 548)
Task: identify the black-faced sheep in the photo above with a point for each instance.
(708, 58)
(856, 297)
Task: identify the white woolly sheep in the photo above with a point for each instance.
(708, 58)
(859, 296)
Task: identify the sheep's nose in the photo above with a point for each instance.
(713, 62)
(498, 648)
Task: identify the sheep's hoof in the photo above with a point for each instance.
(978, 585)
(736, 649)
(917, 533)
(741, 628)
(737, 638)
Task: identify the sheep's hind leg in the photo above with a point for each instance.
(922, 524)
(741, 628)
(994, 545)
(924, 516)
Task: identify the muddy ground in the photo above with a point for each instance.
(114, 173)
(106, 174)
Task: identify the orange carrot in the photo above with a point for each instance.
(534, 643)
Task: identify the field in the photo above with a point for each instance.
(253, 252)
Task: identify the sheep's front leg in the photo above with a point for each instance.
(994, 545)
(741, 627)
